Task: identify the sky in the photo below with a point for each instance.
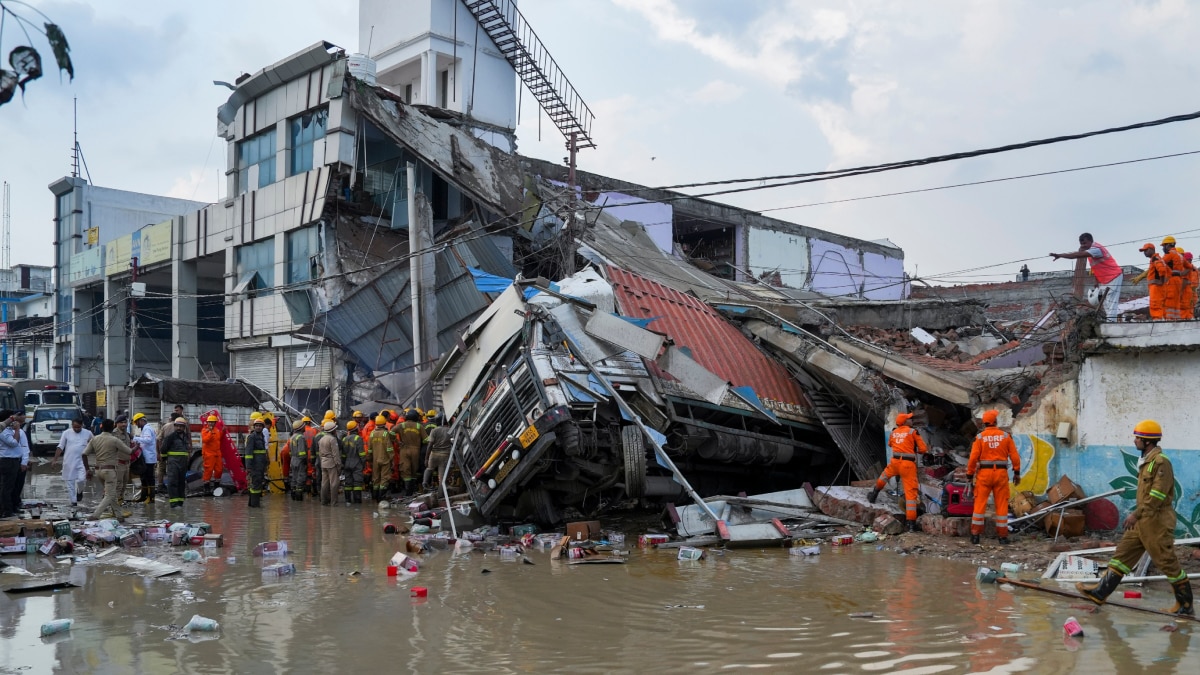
(688, 91)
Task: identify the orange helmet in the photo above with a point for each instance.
(990, 416)
(1147, 247)
(903, 418)
(1148, 429)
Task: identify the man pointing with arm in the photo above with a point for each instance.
(1106, 270)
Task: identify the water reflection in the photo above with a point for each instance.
(761, 609)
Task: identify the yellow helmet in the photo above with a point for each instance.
(329, 414)
(306, 418)
(358, 413)
(431, 413)
(256, 415)
(212, 418)
(351, 425)
(381, 420)
(1168, 240)
(1148, 429)
(138, 416)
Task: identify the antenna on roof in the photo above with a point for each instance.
(77, 157)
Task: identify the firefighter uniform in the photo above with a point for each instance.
(354, 461)
(298, 458)
(1150, 528)
(906, 444)
(992, 454)
(411, 434)
(177, 448)
(329, 455)
(379, 447)
(254, 455)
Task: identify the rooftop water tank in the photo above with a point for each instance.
(362, 67)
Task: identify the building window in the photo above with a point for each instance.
(304, 255)
(304, 131)
(256, 269)
(258, 150)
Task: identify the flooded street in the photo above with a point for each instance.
(744, 609)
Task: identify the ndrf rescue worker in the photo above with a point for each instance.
(1187, 305)
(177, 447)
(1173, 294)
(210, 448)
(329, 455)
(379, 446)
(906, 444)
(298, 458)
(1151, 526)
(354, 461)
(1157, 273)
(411, 434)
(992, 453)
(254, 456)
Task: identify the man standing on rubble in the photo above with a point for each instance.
(1104, 267)
(71, 445)
(906, 444)
(991, 454)
(1151, 526)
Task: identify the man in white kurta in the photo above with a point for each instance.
(70, 454)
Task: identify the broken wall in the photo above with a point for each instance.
(838, 271)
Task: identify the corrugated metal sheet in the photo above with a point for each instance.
(713, 342)
(374, 323)
(258, 367)
(307, 367)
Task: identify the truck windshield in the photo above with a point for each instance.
(59, 397)
(47, 414)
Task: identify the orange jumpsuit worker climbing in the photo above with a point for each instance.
(906, 444)
(1151, 526)
(1187, 309)
(991, 454)
(210, 447)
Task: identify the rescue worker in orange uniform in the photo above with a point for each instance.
(992, 454)
(312, 469)
(379, 448)
(1156, 275)
(1151, 526)
(1187, 309)
(906, 445)
(1173, 294)
(210, 448)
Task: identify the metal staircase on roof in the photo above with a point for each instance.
(507, 28)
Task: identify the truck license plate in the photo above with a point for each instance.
(528, 436)
(57, 427)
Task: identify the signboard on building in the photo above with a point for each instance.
(117, 254)
(86, 266)
(101, 398)
(93, 236)
(155, 243)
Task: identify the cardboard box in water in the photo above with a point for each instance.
(1073, 523)
(12, 544)
(213, 541)
(1063, 490)
(653, 540)
(584, 530)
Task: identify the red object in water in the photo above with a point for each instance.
(1133, 594)
(419, 592)
(393, 570)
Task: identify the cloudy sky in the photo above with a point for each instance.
(697, 90)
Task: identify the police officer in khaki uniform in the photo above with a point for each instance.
(109, 453)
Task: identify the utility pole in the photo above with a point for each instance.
(133, 296)
(6, 261)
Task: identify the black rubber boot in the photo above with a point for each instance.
(1183, 599)
(255, 500)
(1003, 541)
(349, 495)
(912, 526)
(410, 487)
(358, 496)
(974, 539)
(1099, 591)
(873, 496)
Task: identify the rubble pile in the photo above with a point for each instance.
(969, 345)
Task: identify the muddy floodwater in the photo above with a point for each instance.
(736, 610)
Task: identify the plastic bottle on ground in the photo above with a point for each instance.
(57, 626)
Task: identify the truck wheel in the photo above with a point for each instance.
(568, 439)
(634, 449)
(544, 508)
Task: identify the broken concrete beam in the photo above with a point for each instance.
(850, 503)
(888, 524)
